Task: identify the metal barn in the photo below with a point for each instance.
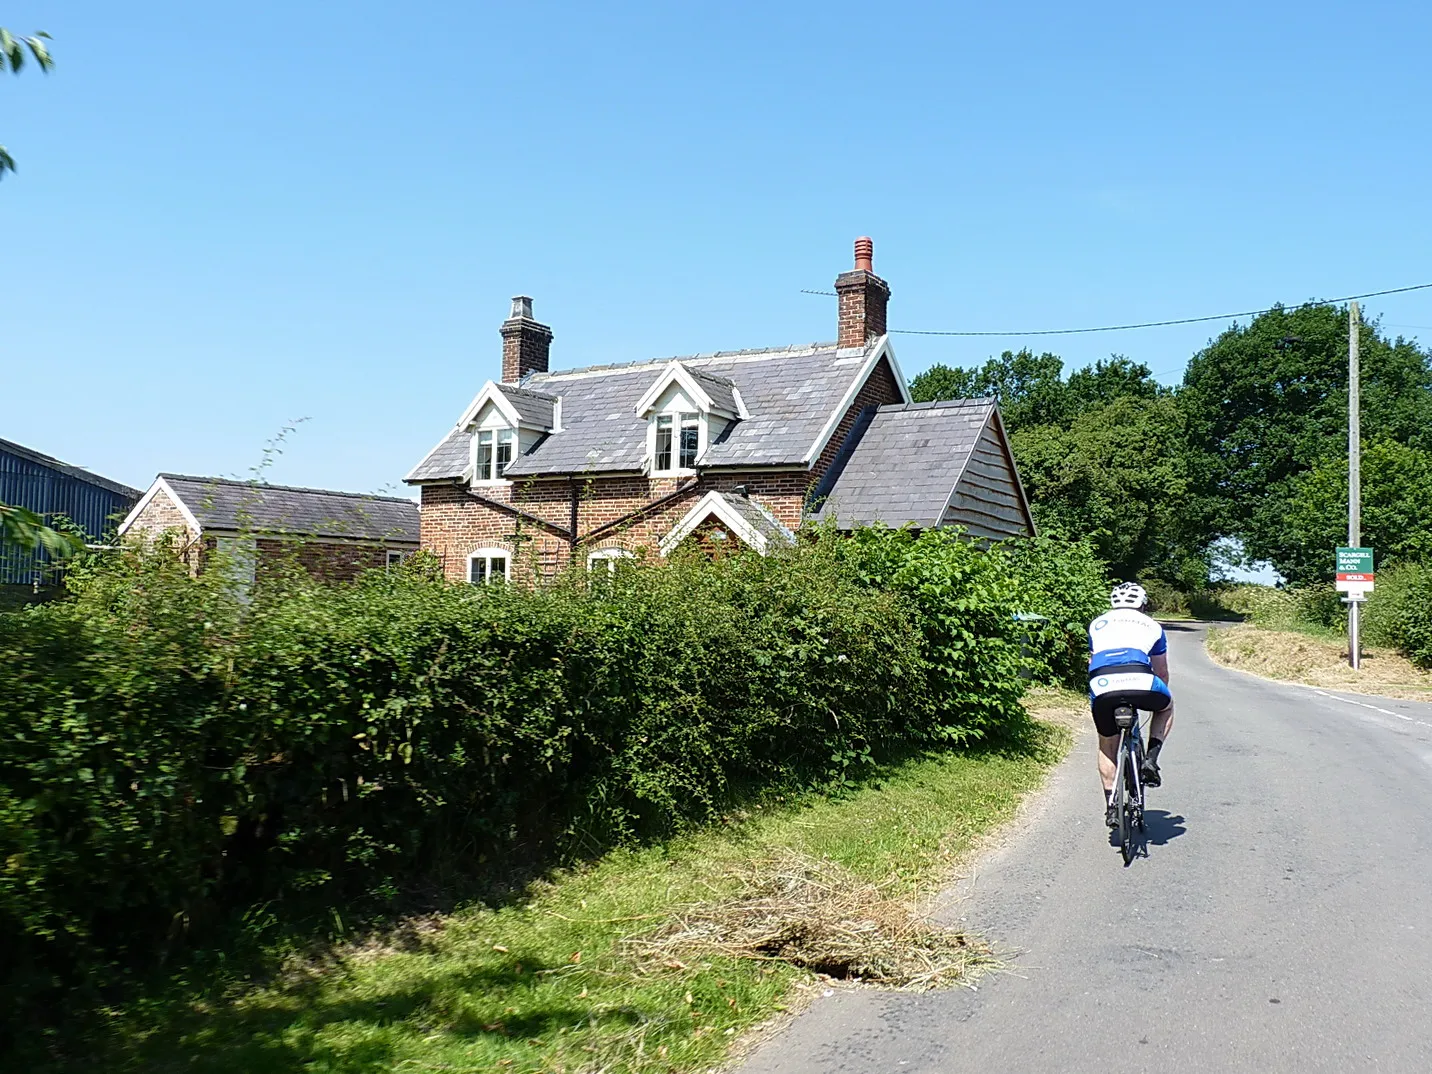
(53, 488)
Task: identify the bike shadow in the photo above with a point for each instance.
(1160, 826)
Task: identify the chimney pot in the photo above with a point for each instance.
(865, 254)
(521, 307)
(863, 297)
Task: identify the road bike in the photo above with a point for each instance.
(1128, 797)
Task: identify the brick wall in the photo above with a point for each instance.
(332, 561)
(879, 388)
(455, 524)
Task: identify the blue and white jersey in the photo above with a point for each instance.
(1122, 637)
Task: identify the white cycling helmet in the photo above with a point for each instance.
(1128, 595)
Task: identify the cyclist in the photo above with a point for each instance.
(1128, 652)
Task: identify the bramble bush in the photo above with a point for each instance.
(175, 751)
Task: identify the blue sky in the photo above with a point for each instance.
(228, 216)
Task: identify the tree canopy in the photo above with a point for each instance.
(1251, 446)
(1267, 403)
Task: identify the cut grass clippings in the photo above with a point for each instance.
(1318, 661)
(655, 959)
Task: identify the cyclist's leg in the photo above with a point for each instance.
(1161, 724)
(1108, 759)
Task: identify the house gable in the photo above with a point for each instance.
(746, 519)
(160, 510)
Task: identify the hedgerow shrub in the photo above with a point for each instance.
(963, 601)
(1399, 612)
(1068, 584)
(1286, 609)
(174, 750)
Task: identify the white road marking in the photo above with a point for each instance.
(1365, 705)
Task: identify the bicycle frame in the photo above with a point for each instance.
(1128, 781)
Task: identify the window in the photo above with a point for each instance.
(678, 434)
(487, 565)
(690, 437)
(494, 446)
(608, 558)
(394, 558)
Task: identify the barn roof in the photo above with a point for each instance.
(227, 505)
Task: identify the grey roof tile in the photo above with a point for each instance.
(448, 460)
(926, 444)
(790, 394)
(533, 407)
(221, 504)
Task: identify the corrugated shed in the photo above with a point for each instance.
(50, 487)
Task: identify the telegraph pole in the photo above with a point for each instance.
(1354, 478)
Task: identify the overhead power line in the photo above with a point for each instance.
(1129, 327)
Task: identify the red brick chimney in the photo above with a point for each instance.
(526, 345)
(863, 297)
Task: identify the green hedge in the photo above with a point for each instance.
(1399, 611)
(173, 753)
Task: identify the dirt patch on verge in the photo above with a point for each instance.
(1313, 661)
(814, 914)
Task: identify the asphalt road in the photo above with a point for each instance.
(1282, 920)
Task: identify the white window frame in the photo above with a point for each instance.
(608, 557)
(487, 555)
(679, 419)
(395, 557)
(493, 475)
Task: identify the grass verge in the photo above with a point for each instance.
(1317, 660)
(655, 959)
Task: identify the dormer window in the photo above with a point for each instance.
(678, 440)
(496, 449)
(686, 410)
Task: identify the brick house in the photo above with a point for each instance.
(592, 464)
(334, 535)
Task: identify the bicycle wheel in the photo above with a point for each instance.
(1122, 788)
(1136, 782)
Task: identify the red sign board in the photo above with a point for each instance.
(1355, 577)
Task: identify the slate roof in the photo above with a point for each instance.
(722, 390)
(221, 504)
(904, 466)
(78, 473)
(790, 394)
(534, 408)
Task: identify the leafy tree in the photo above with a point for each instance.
(1029, 387)
(1396, 512)
(1105, 381)
(1267, 402)
(12, 56)
(1117, 476)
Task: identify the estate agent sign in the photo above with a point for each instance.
(1355, 577)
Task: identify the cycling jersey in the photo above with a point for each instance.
(1121, 643)
(1124, 636)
